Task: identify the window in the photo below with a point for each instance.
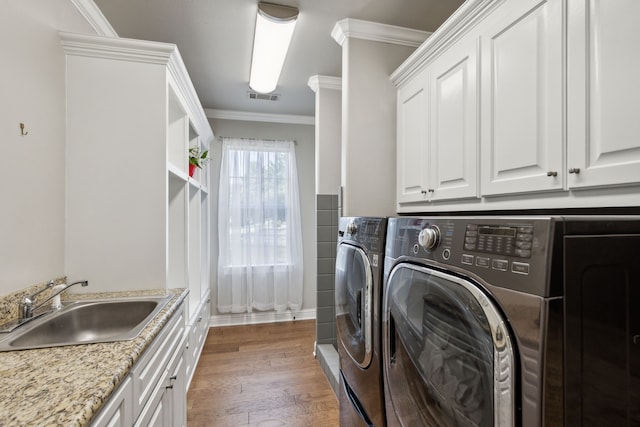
(259, 227)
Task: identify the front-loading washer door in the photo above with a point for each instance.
(354, 303)
(448, 357)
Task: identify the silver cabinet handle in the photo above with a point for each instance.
(552, 173)
(574, 170)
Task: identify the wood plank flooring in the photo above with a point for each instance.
(261, 375)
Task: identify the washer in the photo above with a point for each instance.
(358, 292)
(498, 321)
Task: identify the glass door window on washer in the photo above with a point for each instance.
(353, 303)
(448, 358)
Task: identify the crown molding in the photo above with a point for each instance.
(467, 16)
(117, 48)
(93, 15)
(156, 53)
(324, 82)
(259, 117)
(180, 75)
(374, 31)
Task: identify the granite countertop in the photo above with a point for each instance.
(68, 385)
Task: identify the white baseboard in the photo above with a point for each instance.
(260, 317)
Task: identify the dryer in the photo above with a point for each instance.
(358, 293)
(512, 321)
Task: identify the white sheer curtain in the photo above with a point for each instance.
(259, 227)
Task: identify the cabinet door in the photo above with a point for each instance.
(157, 411)
(453, 122)
(177, 394)
(118, 411)
(412, 139)
(602, 324)
(603, 65)
(522, 134)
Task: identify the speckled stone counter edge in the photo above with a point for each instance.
(68, 385)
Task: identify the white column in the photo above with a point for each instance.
(370, 53)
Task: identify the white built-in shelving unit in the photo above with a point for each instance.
(135, 219)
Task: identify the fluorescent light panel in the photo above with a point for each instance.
(274, 29)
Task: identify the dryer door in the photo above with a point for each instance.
(354, 306)
(448, 357)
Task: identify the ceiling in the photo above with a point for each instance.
(215, 38)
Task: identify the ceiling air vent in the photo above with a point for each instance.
(264, 96)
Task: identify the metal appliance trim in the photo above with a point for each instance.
(504, 361)
(366, 307)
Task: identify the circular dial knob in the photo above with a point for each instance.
(352, 228)
(429, 238)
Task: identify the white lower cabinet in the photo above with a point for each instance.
(167, 405)
(154, 393)
(176, 391)
(118, 411)
(197, 330)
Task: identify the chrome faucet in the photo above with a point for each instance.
(26, 305)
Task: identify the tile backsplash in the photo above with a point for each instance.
(327, 240)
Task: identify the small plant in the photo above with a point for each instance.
(197, 157)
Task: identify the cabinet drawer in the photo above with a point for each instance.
(150, 368)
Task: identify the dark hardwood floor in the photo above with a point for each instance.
(261, 375)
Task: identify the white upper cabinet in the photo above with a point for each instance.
(603, 70)
(526, 104)
(453, 122)
(437, 132)
(413, 152)
(522, 64)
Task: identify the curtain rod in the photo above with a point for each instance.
(220, 138)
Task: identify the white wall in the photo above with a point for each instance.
(305, 157)
(32, 166)
(369, 126)
(328, 120)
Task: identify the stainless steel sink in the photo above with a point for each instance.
(86, 321)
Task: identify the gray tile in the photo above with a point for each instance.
(326, 266)
(334, 233)
(326, 250)
(324, 218)
(325, 299)
(327, 233)
(326, 282)
(325, 315)
(325, 330)
(324, 201)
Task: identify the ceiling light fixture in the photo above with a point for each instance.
(274, 28)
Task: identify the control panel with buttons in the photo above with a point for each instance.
(509, 252)
(499, 240)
